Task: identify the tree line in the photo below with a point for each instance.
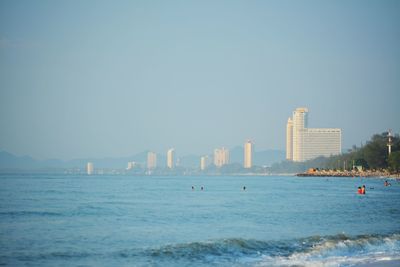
(371, 156)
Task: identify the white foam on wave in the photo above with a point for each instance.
(348, 252)
(304, 260)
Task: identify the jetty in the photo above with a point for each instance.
(348, 173)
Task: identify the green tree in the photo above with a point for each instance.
(361, 162)
(394, 161)
(375, 152)
(374, 155)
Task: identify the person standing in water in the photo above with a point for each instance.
(363, 190)
(359, 191)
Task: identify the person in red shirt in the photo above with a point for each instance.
(363, 190)
(359, 191)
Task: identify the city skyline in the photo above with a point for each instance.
(101, 79)
(208, 154)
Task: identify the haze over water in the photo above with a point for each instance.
(99, 78)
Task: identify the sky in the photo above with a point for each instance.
(115, 78)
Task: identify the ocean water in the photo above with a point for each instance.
(67, 220)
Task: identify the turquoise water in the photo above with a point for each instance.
(64, 220)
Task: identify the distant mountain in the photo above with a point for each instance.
(261, 158)
(268, 157)
(191, 161)
(10, 161)
(236, 155)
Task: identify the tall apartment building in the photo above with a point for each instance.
(203, 162)
(289, 139)
(300, 123)
(248, 154)
(171, 158)
(131, 165)
(89, 168)
(303, 143)
(151, 160)
(221, 156)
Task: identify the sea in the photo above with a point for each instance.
(100, 220)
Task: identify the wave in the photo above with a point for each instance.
(337, 250)
(341, 250)
(29, 213)
(83, 210)
(200, 250)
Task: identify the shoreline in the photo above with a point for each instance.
(334, 173)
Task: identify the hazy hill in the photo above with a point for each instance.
(261, 158)
(10, 161)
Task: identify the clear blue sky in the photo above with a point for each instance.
(113, 78)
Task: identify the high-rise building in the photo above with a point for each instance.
(289, 139)
(221, 157)
(171, 158)
(151, 160)
(248, 154)
(89, 168)
(320, 142)
(300, 122)
(203, 162)
(131, 165)
(303, 143)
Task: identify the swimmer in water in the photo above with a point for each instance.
(359, 191)
(202, 188)
(244, 188)
(192, 187)
(363, 190)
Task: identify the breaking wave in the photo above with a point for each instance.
(338, 250)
